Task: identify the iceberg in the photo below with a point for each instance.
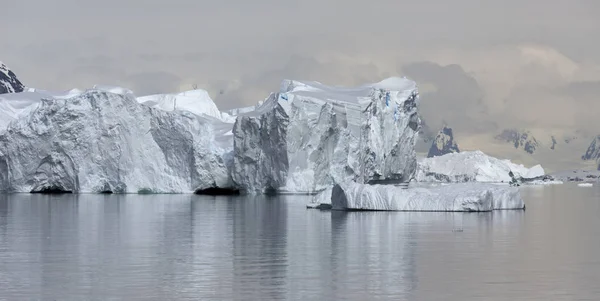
(100, 141)
(195, 101)
(472, 166)
(310, 136)
(301, 140)
(463, 197)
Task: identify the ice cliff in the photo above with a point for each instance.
(455, 197)
(100, 141)
(310, 136)
(472, 166)
(443, 143)
(9, 83)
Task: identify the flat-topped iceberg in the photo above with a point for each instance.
(105, 142)
(454, 197)
(309, 136)
(472, 166)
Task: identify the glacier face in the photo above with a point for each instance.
(454, 197)
(310, 136)
(9, 83)
(472, 166)
(100, 141)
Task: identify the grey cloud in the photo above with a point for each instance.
(455, 97)
(153, 83)
(257, 86)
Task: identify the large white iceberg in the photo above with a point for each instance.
(310, 136)
(303, 139)
(454, 197)
(105, 142)
(472, 166)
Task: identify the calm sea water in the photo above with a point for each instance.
(165, 247)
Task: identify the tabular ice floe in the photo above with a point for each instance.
(463, 197)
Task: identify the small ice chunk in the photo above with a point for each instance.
(585, 184)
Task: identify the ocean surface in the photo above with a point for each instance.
(174, 247)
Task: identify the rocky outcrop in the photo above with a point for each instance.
(443, 143)
(593, 151)
(9, 83)
(521, 140)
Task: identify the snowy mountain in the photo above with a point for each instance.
(593, 151)
(9, 83)
(443, 143)
(521, 140)
(310, 136)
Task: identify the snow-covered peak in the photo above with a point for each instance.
(520, 139)
(443, 143)
(9, 83)
(593, 151)
(195, 101)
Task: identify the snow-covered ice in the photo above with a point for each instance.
(585, 185)
(309, 136)
(14, 105)
(100, 141)
(472, 166)
(195, 101)
(454, 197)
(113, 89)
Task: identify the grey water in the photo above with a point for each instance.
(173, 247)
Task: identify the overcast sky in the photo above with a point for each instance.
(481, 65)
